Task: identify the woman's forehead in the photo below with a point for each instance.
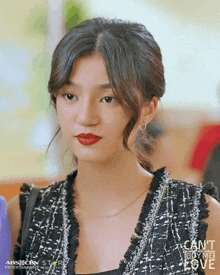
(89, 68)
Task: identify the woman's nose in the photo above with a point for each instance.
(87, 113)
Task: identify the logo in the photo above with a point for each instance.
(199, 254)
(22, 264)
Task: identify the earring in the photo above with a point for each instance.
(143, 128)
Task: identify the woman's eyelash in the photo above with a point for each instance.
(105, 99)
(109, 99)
(69, 96)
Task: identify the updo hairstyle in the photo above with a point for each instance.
(133, 63)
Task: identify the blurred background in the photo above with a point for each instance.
(188, 33)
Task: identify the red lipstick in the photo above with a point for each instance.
(88, 139)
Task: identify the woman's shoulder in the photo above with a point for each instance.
(46, 197)
(53, 189)
(201, 203)
(183, 191)
(192, 204)
(192, 201)
(16, 206)
(48, 189)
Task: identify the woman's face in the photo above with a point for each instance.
(87, 105)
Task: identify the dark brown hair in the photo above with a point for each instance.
(133, 62)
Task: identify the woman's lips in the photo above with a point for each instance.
(88, 139)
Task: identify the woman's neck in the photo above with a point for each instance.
(119, 180)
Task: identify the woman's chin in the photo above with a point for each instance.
(99, 158)
(98, 154)
(90, 156)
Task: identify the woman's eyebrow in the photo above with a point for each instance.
(71, 83)
(104, 86)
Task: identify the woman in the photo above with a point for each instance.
(106, 79)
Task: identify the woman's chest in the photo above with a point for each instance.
(103, 242)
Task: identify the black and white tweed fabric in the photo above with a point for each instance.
(172, 213)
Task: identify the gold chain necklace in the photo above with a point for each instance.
(110, 216)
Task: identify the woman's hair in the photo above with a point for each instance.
(133, 63)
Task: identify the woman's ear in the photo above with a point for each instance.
(148, 111)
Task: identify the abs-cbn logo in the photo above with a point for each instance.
(21, 262)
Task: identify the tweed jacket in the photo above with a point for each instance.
(172, 216)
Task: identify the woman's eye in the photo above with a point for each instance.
(108, 99)
(69, 96)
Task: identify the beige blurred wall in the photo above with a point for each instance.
(16, 122)
(13, 24)
(19, 158)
